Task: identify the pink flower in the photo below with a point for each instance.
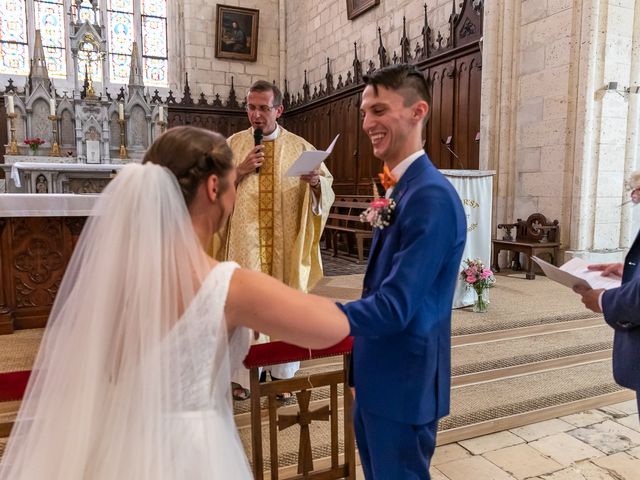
(471, 279)
(486, 273)
(635, 195)
(380, 203)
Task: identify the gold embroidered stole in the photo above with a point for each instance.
(265, 207)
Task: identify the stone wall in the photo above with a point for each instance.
(561, 144)
(209, 74)
(317, 30)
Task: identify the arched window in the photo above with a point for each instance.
(121, 36)
(151, 37)
(144, 21)
(154, 42)
(49, 16)
(14, 54)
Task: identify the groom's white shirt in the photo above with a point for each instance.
(402, 167)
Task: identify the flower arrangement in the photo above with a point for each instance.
(380, 211)
(34, 143)
(479, 277)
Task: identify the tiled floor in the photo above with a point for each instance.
(599, 444)
(339, 265)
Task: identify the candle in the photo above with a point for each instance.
(161, 114)
(121, 111)
(11, 110)
(52, 106)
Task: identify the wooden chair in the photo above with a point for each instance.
(535, 236)
(344, 224)
(277, 418)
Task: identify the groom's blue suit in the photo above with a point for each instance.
(402, 326)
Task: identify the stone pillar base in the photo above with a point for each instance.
(597, 256)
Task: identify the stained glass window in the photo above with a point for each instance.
(121, 36)
(154, 42)
(50, 22)
(147, 26)
(14, 54)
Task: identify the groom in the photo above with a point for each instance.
(402, 324)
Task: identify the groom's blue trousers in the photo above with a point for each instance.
(391, 450)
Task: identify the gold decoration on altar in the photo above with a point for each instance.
(89, 52)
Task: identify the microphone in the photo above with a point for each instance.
(257, 140)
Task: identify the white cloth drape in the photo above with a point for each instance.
(475, 191)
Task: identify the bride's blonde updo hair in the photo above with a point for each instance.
(192, 154)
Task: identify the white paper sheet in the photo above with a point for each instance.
(575, 272)
(307, 162)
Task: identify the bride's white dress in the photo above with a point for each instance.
(215, 450)
(132, 379)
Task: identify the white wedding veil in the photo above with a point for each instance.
(116, 392)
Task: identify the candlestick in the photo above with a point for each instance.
(52, 107)
(160, 113)
(120, 111)
(11, 107)
(55, 148)
(123, 147)
(13, 144)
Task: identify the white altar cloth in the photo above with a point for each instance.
(46, 205)
(59, 167)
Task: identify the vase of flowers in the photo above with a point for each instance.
(34, 143)
(479, 277)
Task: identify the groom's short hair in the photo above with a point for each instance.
(403, 78)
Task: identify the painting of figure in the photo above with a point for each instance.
(237, 33)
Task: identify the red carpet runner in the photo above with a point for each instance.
(13, 385)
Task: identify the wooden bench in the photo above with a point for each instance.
(534, 237)
(344, 222)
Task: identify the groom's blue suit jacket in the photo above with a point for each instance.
(402, 324)
(621, 307)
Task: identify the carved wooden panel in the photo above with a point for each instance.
(343, 162)
(467, 110)
(440, 125)
(34, 253)
(225, 122)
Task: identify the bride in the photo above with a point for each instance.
(132, 378)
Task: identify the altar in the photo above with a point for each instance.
(75, 142)
(475, 188)
(48, 175)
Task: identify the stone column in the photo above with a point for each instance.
(561, 143)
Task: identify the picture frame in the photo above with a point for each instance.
(358, 7)
(237, 33)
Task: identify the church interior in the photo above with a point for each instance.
(534, 119)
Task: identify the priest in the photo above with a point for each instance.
(278, 220)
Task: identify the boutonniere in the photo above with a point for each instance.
(380, 211)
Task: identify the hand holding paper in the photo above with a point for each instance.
(576, 273)
(309, 161)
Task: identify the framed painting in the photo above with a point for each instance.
(237, 33)
(357, 7)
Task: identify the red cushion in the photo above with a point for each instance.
(273, 353)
